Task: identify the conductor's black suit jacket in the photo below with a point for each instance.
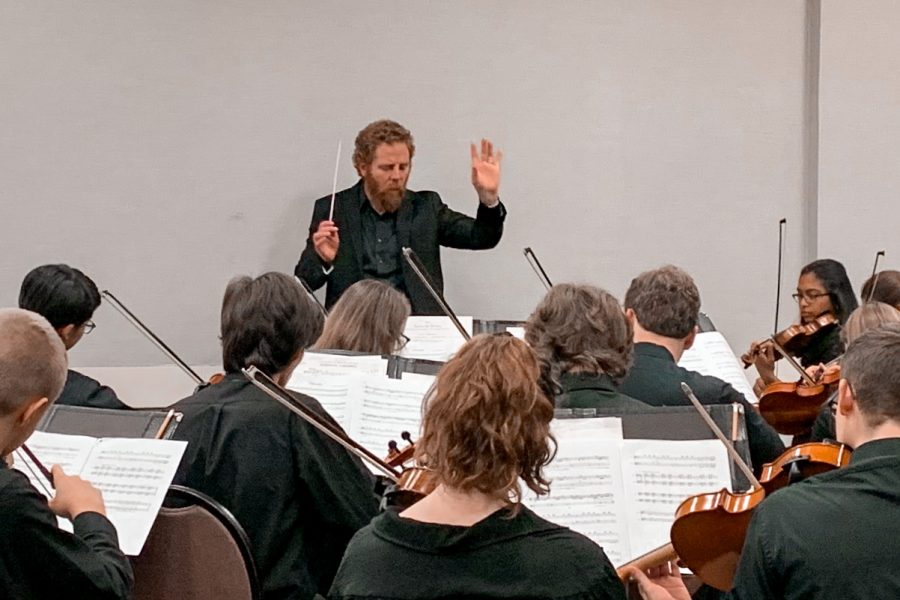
(424, 224)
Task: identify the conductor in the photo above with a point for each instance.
(362, 235)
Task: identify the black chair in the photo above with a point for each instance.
(196, 550)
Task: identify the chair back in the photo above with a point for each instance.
(196, 550)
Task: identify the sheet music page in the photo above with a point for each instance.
(68, 451)
(134, 476)
(586, 487)
(434, 338)
(711, 355)
(338, 395)
(658, 476)
(387, 408)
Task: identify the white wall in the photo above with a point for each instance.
(166, 146)
(859, 135)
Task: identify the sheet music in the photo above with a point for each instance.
(318, 364)
(711, 355)
(586, 491)
(387, 408)
(335, 380)
(132, 473)
(434, 338)
(658, 476)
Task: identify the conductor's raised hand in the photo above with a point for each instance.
(486, 172)
(74, 496)
(326, 241)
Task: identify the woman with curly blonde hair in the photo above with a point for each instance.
(485, 432)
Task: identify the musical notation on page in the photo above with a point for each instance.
(133, 474)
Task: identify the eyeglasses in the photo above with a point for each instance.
(832, 404)
(88, 326)
(403, 343)
(808, 296)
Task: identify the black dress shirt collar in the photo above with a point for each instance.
(654, 351)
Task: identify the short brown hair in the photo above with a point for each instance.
(871, 365)
(369, 317)
(868, 316)
(380, 132)
(33, 363)
(487, 422)
(265, 322)
(581, 328)
(665, 301)
(887, 288)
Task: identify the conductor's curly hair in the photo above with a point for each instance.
(486, 423)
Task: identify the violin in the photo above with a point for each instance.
(794, 339)
(792, 408)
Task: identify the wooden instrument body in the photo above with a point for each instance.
(792, 408)
(708, 533)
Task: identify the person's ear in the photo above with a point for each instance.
(691, 338)
(32, 413)
(67, 333)
(846, 399)
(629, 314)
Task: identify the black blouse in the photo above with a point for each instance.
(524, 556)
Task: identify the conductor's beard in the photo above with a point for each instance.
(387, 197)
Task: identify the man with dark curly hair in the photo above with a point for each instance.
(376, 218)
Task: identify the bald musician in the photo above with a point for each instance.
(835, 535)
(37, 558)
(376, 218)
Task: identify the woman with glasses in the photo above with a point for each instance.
(485, 434)
(823, 288)
(369, 318)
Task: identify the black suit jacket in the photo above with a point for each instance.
(424, 224)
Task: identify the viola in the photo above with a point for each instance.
(415, 482)
(792, 408)
(709, 530)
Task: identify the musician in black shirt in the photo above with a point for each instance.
(663, 306)
(298, 494)
(584, 342)
(37, 558)
(486, 428)
(823, 288)
(835, 535)
(68, 298)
